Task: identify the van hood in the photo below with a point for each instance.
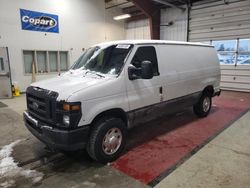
(67, 84)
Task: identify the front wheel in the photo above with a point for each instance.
(107, 139)
(203, 106)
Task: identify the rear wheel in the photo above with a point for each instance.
(203, 106)
(107, 139)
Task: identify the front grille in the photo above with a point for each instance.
(41, 104)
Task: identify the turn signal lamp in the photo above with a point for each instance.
(69, 107)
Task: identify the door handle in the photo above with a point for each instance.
(160, 90)
(160, 93)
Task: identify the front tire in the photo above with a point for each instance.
(203, 106)
(107, 139)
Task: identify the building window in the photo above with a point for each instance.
(63, 61)
(41, 62)
(28, 58)
(53, 62)
(244, 52)
(226, 51)
(45, 61)
(233, 52)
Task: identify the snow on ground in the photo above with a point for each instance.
(85, 184)
(9, 169)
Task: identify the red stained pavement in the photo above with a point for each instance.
(158, 145)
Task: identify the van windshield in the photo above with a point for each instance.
(108, 60)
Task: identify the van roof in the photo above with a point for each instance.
(151, 42)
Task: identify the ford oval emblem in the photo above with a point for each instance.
(35, 105)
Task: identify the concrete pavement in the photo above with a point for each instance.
(59, 170)
(223, 162)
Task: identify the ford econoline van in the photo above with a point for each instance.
(114, 86)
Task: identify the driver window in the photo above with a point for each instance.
(146, 53)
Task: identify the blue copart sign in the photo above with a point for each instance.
(38, 21)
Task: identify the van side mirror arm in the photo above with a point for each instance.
(134, 73)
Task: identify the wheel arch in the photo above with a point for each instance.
(208, 90)
(115, 112)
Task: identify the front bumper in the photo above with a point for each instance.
(68, 140)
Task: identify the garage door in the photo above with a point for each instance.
(226, 25)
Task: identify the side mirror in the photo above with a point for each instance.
(134, 73)
(147, 70)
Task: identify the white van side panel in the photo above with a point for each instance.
(187, 69)
(95, 107)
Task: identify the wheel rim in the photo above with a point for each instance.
(206, 104)
(112, 141)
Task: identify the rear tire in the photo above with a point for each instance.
(203, 106)
(107, 139)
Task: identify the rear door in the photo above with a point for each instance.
(5, 80)
(143, 94)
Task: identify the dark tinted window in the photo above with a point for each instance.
(146, 53)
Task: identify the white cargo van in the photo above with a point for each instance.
(116, 85)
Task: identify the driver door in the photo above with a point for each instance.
(143, 94)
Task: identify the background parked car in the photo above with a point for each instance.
(245, 62)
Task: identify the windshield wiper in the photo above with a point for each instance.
(93, 72)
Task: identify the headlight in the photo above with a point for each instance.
(69, 114)
(66, 120)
